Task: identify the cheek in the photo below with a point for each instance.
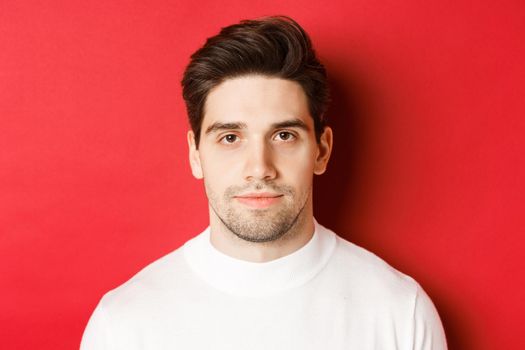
(219, 172)
(297, 162)
(300, 157)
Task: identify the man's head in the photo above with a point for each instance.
(252, 92)
(271, 46)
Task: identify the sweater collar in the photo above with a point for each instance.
(246, 278)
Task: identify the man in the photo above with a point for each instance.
(265, 274)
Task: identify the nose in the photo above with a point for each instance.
(259, 162)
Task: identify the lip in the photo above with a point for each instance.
(259, 200)
(259, 195)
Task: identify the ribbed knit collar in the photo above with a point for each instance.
(245, 278)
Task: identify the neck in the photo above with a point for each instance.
(230, 244)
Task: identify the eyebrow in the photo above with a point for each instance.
(292, 123)
(217, 126)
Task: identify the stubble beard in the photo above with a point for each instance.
(259, 225)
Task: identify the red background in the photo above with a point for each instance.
(428, 112)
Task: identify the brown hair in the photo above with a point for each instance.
(274, 46)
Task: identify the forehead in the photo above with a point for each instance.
(256, 100)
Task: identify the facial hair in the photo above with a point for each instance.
(259, 225)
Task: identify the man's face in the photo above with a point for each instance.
(257, 155)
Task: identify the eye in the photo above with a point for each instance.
(285, 136)
(229, 139)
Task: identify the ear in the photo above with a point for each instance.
(324, 149)
(195, 161)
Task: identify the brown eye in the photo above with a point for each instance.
(285, 136)
(230, 138)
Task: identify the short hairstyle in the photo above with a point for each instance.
(274, 46)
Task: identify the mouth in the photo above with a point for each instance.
(259, 200)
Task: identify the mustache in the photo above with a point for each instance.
(232, 191)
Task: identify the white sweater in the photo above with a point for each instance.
(329, 294)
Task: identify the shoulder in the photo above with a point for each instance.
(362, 271)
(377, 290)
(150, 284)
(126, 310)
(374, 287)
